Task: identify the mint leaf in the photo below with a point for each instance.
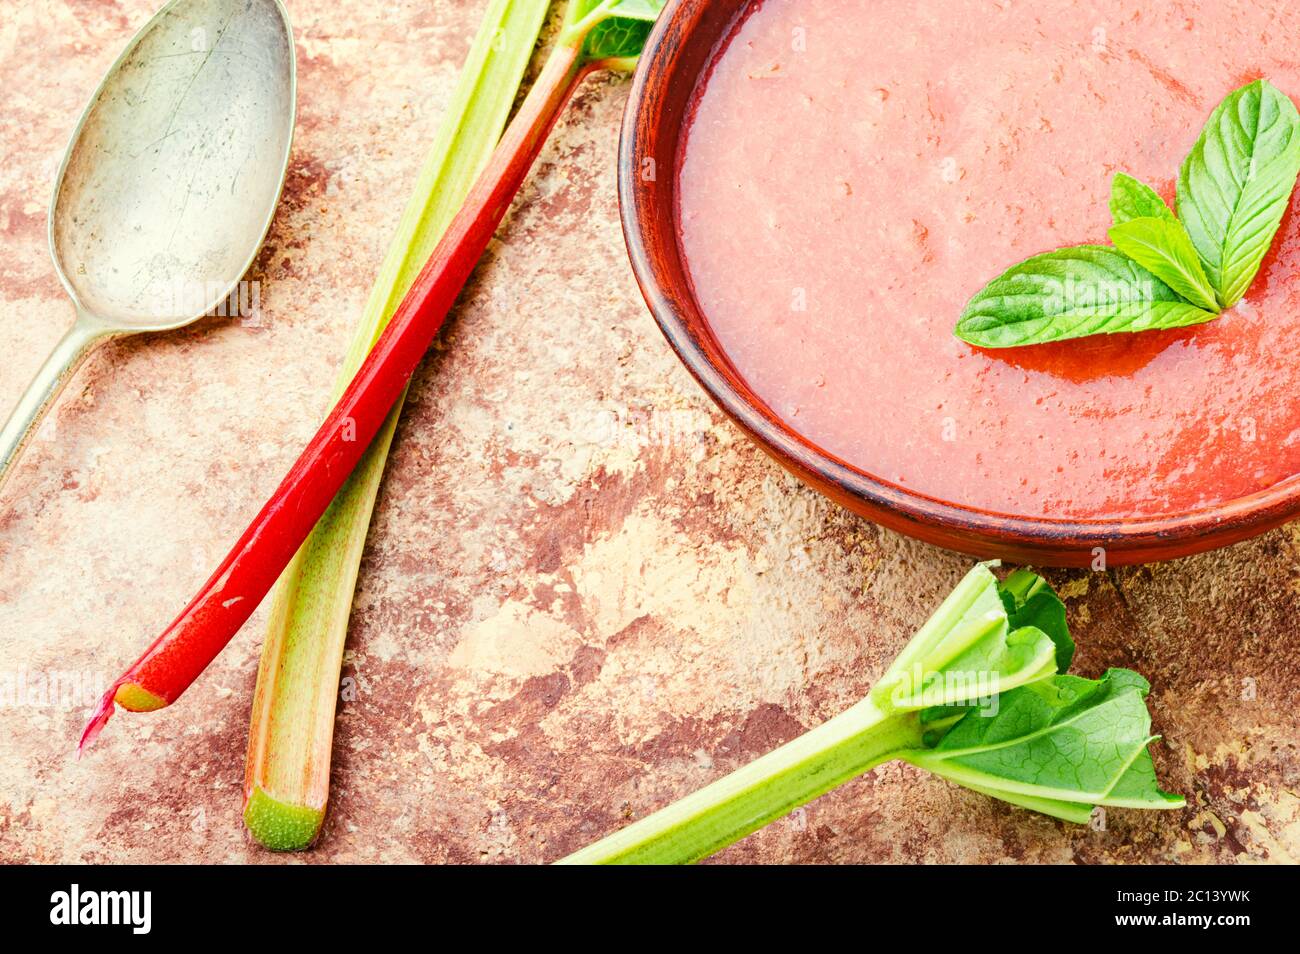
(1070, 293)
(1131, 199)
(1164, 271)
(1063, 739)
(1148, 232)
(1163, 247)
(1234, 186)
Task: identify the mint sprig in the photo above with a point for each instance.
(1147, 231)
(1164, 271)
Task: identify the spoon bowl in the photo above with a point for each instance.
(170, 182)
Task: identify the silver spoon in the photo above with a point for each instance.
(169, 183)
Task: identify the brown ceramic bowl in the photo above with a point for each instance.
(674, 63)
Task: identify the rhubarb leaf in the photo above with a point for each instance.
(616, 30)
(1163, 247)
(1235, 184)
(1070, 293)
(1057, 744)
(967, 652)
(1030, 601)
(1131, 199)
(1062, 739)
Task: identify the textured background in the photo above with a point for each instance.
(584, 594)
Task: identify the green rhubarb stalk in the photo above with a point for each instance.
(287, 776)
(975, 697)
(292, 726)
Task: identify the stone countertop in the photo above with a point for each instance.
(584, 594)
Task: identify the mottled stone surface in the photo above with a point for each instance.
(585, 594)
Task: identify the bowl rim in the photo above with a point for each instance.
(1187, 531)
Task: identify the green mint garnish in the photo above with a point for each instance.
(1131, 199)
(1163, 247)
(1234, 187)
(1164, 271)
(1071, 293)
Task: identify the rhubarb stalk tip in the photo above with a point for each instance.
(98, 719)
(279, 825)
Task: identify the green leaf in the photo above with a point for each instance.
(1077, 812)
(967, 652)
(1032, 602)
(617, 39)
(1163, 247)
(1062, 739)
(1056, 744)
(1234, 186)
(973, 607)
(1131, 199)
(615, 30)
(1070, 293)
(1139, 787)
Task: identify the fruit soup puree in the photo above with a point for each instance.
(857, 169)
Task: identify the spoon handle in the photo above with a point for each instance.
(54, 374)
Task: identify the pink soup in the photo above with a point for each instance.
(856, 169)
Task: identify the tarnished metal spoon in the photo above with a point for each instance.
(169, 183)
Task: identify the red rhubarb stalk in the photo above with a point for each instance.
(233, 592)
